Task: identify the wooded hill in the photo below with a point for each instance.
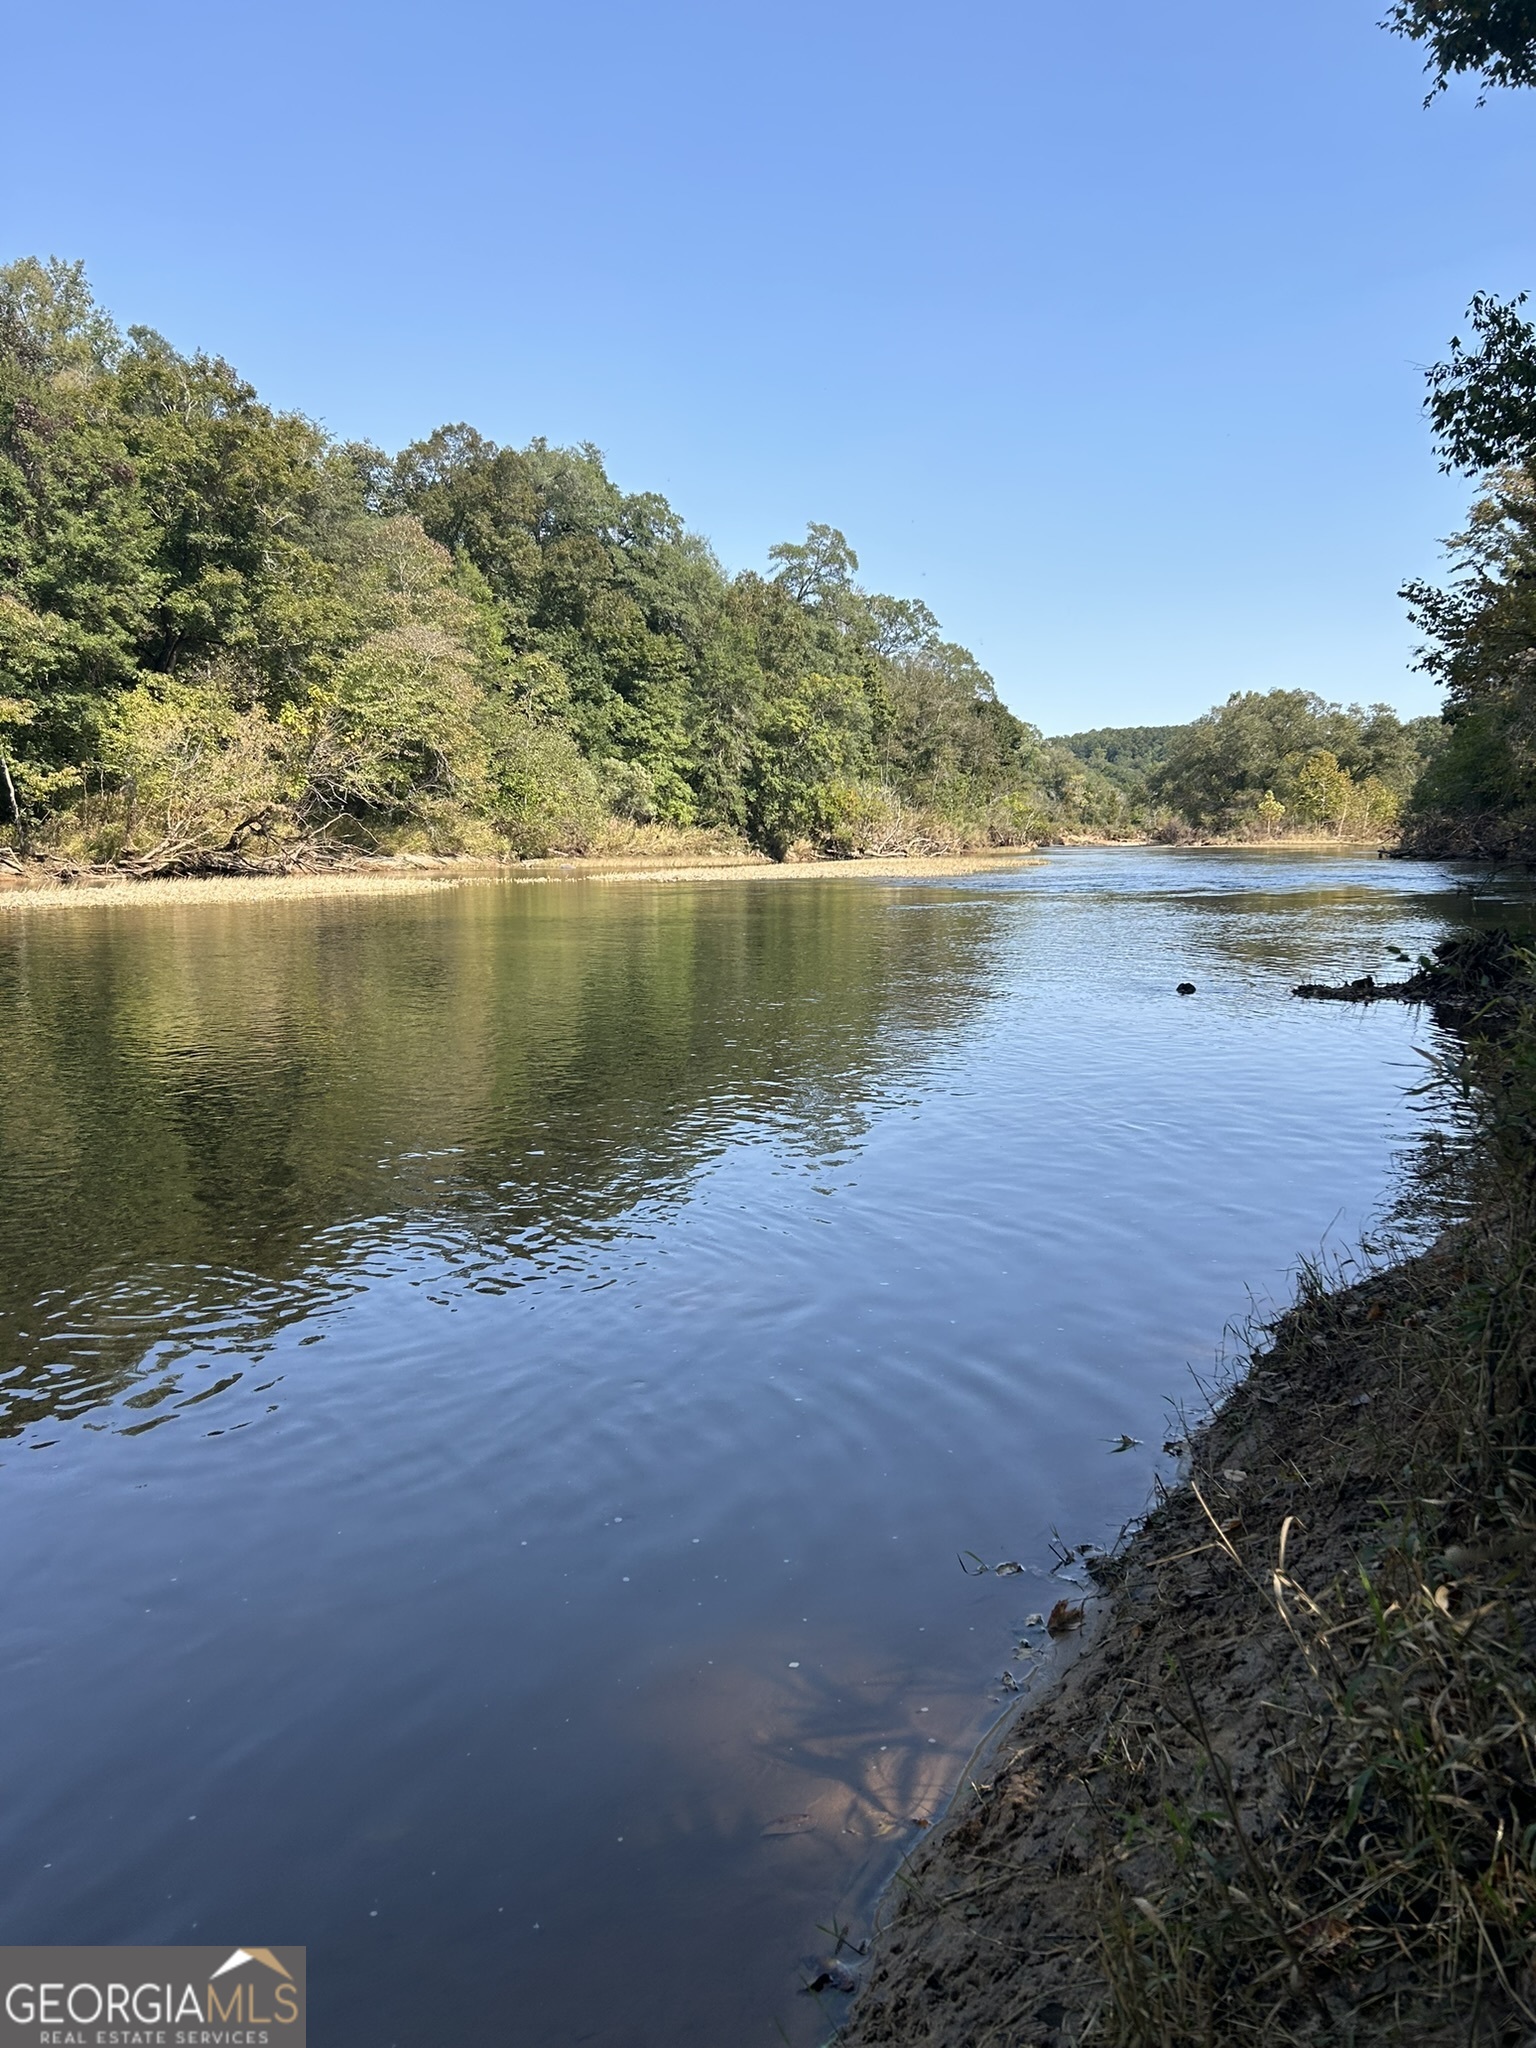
(1264, 765)
(223, 633)
(226, 636)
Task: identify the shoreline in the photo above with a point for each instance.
(422, 873)
(419, 874)
(1302, 1723)
(998, 1927)
(1282, 1793)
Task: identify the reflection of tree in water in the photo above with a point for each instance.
(214, 1118)
(832, 1770)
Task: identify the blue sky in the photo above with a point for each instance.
(1100, 329)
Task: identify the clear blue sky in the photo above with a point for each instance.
(1099, 328)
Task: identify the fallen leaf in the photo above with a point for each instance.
(1234, 1475)
(1125, 1443)
(1034, 1621)
(1008, 1569)
(1325, 1933)
(1064, 1618)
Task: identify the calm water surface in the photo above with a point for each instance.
(494, 1385)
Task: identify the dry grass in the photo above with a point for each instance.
(1383, 1886)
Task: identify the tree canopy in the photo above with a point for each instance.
(1480, 627)
(1494, 38)
(220, 628)
(1319, 764)
(224, 634)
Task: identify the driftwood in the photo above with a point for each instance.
(1476, 973)
(1365, 990)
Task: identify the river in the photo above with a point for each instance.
(497, 1387)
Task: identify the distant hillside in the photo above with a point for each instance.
(1123, 754)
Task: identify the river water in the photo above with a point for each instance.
(496, 1386)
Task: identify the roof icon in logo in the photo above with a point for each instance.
(252, 1955)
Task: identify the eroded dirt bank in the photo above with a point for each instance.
(1270, 1801)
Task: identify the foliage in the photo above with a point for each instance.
(1340, 767)
(1496, 38)
(219, 627)
(1480, 628)
(221, 631)
(545, 796)
(197, 773)
(1125, 755)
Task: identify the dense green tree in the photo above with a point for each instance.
(219, 627)
(1123, 755)
(222, 631)
(1219, 770)
(1479, 796)
(1494, 38)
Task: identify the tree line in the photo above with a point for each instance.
(227, 636)
(224, 633)
(1267, 765)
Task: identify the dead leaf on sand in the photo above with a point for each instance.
(1064, 1617)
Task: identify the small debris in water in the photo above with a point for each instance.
(788, 1824)
(1008, 1569)
(1034, 1621)
(1185, 988)
(835, 1977)
(1125, 1443)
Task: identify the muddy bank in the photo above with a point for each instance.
(1163, 1849)
(21, 892)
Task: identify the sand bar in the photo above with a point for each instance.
(19, 893)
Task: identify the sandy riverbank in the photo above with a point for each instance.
(387, 877)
